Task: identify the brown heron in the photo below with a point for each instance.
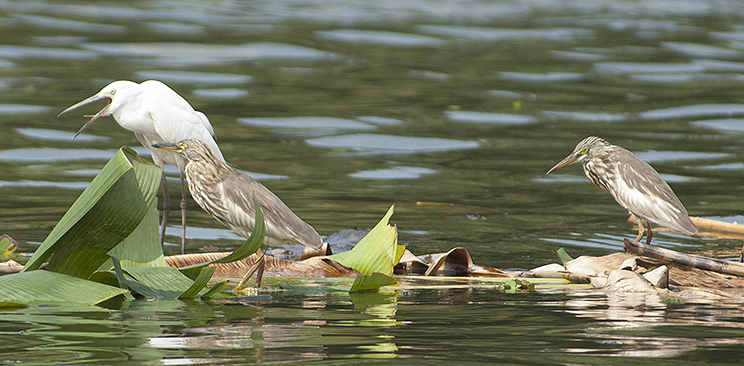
(227, 194)
(633, 183)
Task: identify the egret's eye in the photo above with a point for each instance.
(113, 91)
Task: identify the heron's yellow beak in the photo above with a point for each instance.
(567, 161)
(103, 112)
(177, 147)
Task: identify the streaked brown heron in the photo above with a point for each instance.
(633, 183)
(227, 194)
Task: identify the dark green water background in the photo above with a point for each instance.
(343, 108)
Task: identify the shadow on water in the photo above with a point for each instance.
(343, 109)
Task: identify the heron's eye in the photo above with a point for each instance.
(583, 151)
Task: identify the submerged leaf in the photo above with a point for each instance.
(371, 283)
(378, 251)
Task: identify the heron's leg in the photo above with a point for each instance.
(649, 233)
(641, 228)
(260, 270)
(166, 207)
(183, 213)
(257, 268)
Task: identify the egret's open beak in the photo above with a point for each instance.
(170, 147)
(103, 112)
(567, 161)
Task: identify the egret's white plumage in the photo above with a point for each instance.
(633, 183)
(156, 114)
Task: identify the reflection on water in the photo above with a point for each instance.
(344, 108)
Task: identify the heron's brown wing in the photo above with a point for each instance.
(644, 192)
(282, 225)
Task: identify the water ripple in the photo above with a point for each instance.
(44, 184)
(391, 144)
(380, 120)
(381, 38)
(730, 124)
(311, 123)
(696, 50)
(224, 93)
(500, 34)
(586, 116)
(23, 109)
(50, 154)
(654, 156)
(548, 77)
(70, 25)
(645, 67)
(176, 53)
(56, 135)
(10, 51)
(399, 172)
(695, 111)
(194, 77)
(486, 117)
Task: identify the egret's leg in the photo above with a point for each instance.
(641, 228)
(166, 207)
(183, 213)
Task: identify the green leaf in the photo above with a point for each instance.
(563, 256)
(371, 283)
(106, 213)
(45, 287)
(199, 283)
(250, 246)
(119, 273)
(378, 251)
(157, 282)
(142, 248)
(215, 289)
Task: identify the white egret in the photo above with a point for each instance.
(156, 114)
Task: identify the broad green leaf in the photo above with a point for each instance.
(105, 214)
(371, 283)
(142, 248)
(377, 252)
(199, 283)
(250, 246)
(46, 287)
